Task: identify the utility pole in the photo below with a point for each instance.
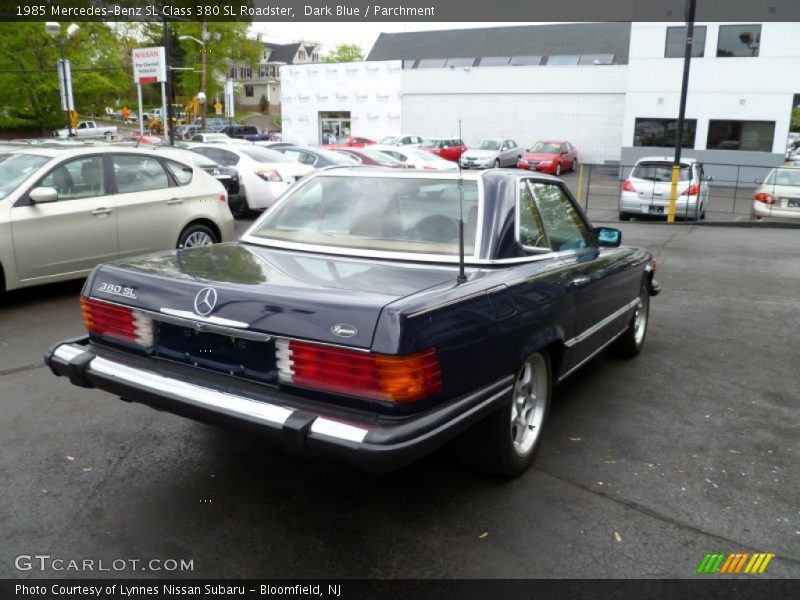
(203, 81)
(687, 61)
(168, 88)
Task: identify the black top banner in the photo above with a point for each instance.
(379, 11)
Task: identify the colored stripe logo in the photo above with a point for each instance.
(734, 564)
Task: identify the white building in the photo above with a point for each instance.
(612, 89)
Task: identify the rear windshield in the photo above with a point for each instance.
(264, 155)
(16, 168)
(658, 171)
(380, 157)
(376, 213)
(789, 177)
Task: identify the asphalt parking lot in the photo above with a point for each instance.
(647, 464)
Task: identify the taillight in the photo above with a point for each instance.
(764, 197)
(117, 322)
(400, 379)
(223, 197)
(628, 186)
(692, 190)
(269, 175)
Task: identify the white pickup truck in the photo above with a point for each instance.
(88, 129)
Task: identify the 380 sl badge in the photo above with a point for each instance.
(344, 330)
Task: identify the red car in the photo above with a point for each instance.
(351, 142)
(447, 148)
(373, 158)
(550, 156)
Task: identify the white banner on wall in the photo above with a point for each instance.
(369, 91)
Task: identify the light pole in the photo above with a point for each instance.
(201, 97)
(65, 76)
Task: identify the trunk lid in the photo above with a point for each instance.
(281, 293)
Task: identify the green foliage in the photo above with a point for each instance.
(278, 121)
(263, 104)
(795, 120)
(29, 80)
(344, 53)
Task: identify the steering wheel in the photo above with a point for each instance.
(434, 228)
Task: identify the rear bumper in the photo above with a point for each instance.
(632, 204)
(299, 425)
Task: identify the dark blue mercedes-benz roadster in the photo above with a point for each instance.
(373, 316)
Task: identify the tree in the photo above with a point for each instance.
(263, 104)
(344, 53)
(29, 80)
(228, 43)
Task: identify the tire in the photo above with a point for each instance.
(496, 163)
(107, 135)
(631, 342)
(624, 216)
(197, 235)
(242, 209)
(558, 169)
(506, 442)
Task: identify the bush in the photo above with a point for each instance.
(263, 104)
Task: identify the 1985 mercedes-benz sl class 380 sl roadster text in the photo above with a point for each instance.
(358, 320)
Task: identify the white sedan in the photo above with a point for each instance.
(264, 174)
(419, 159)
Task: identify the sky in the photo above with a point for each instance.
(331, 34)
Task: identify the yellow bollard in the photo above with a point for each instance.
(673, 193)
(580, 185)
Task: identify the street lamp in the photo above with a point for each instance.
(65, 77)
(201, 97)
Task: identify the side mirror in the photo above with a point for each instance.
(43, 195)
(608, 237)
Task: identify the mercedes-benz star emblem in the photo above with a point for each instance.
(205, 301)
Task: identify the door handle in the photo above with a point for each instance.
(174, 200)
(579, 281)
(101, 212)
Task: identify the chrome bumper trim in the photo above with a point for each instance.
(218, 402)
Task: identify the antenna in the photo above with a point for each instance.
(462, 277)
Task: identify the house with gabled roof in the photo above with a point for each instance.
(264, 78)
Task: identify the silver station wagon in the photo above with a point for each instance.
(65, 210)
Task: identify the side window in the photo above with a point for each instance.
(183, 173)
(139, 173)
(563, 224)
(530, 231)
(223, 157)
(78, 178)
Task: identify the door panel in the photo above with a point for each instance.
(72, 234)
(149, 211)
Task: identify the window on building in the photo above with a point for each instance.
(661, 132)
(248, 91)
(676, 42)
(232, 73)
(525, 61)
(494, 61)
(301, 55)
(756, 136)
(263, 72)
(459, 62)
(431, 63)
(739, 40)
(315, 57)
(562, 59)
(596, 59)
